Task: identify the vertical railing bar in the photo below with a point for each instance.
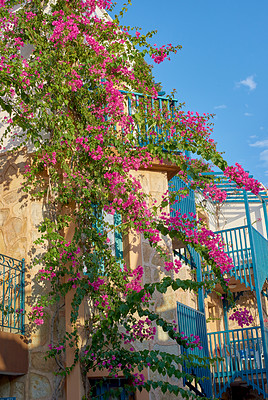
(233, 251)
(138, 128)
(242, 257)
(9, 297)
(235, 350)
(249, 354)
(3, 301)
(14, 301)
(220, 355)
(225, 352)
(160, 108)
(246, 251)
(22, 305)
(259, 355)
(244, 350)
(237, 252)
(211, 354)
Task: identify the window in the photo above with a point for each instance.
(100, 387)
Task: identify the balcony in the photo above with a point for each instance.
(240, 356)
(13, 347)
(12, 282)
(249, 256)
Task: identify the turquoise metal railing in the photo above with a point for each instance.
(145, 104)
(240, 353)
(193, 322)
(12, 282)
(261, 254)
(185, 205)
(238, 248)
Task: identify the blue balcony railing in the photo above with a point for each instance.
(261, 254)
(240, 353)
(12, 282)
(238, 247)
(147, 123)
(193, 323)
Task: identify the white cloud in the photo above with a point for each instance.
(253, 136)
(248, 82)
(248, 114)
(221, 107)
(260, 143)
(264, 156)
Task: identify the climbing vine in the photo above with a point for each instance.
(67, 77)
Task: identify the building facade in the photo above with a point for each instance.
(242, 353)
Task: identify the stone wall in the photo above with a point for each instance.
(19, 219)
(155, 183)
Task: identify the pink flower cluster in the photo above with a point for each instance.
(47, 159)
(74, 279)
(241, 177)
(196, 342)
(57, 348)
(36, 314)
(214, 193)
(47, 274)
(242, 317)
(75, 83)
(140, 330)
(176, 266)
(137, 275)
(201, 236)
(138, 380)
(160, 54)
(96, 284)
(65, 30)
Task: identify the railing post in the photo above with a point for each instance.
(256, 279)
(22, 300)
(225, 309)
(265, 217)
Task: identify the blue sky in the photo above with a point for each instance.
(222, 68)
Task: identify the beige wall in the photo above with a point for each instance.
(155, 183)
(19, 218)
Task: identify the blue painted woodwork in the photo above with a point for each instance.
(118, 239)
(7, 398)
(234, 193)
(261, 253)
(12, 295)
(186, 206)
(115, 237)
(193, 322)
(238, 248)
(103, 387)
(256, 271)
(241, 353)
